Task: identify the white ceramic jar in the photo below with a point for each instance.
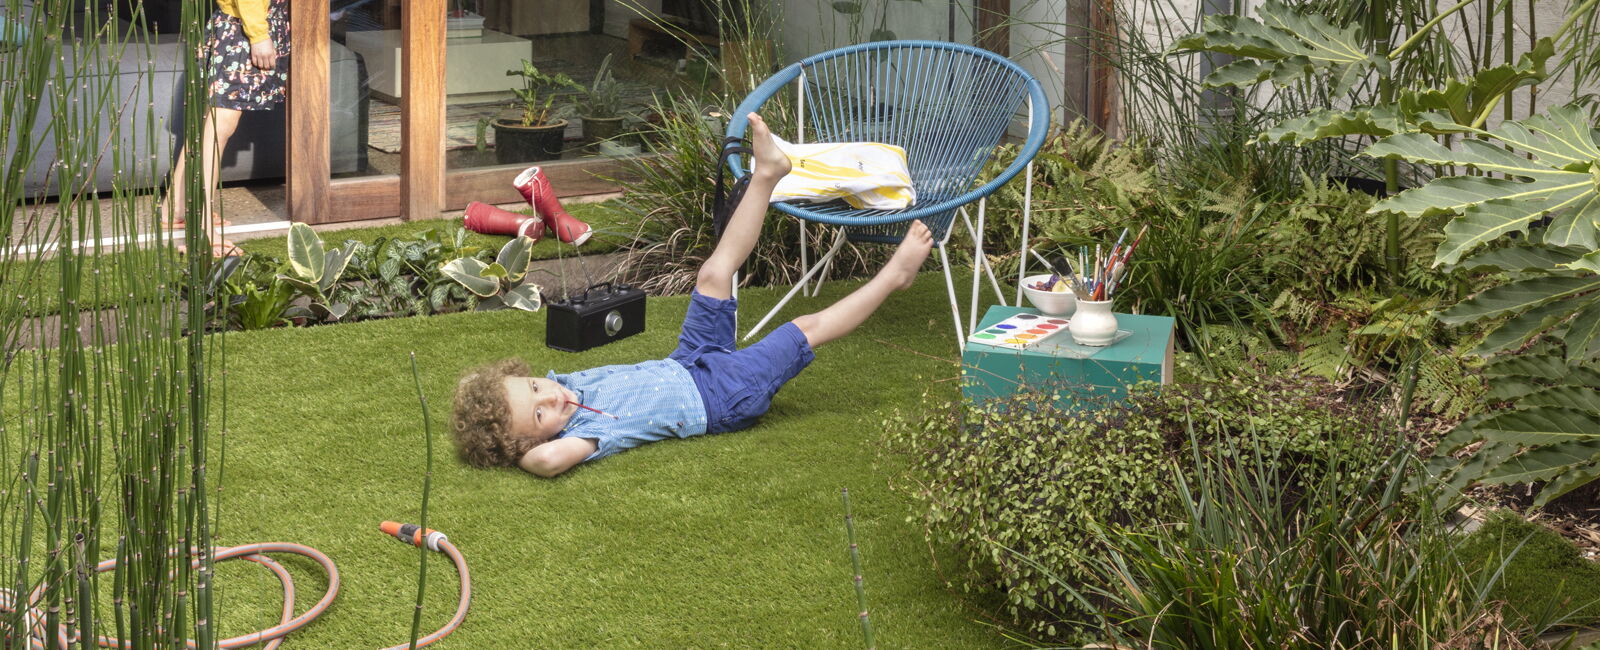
(1093, 324)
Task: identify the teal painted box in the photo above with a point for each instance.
(989, 371)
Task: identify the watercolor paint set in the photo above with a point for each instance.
(1020, 331)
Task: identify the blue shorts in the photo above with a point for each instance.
(737, 386)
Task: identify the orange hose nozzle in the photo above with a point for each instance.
(413, 534)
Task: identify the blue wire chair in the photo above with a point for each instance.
(946, 104)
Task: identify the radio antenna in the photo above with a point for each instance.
(581, 264)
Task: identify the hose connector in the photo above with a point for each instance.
(414, 534)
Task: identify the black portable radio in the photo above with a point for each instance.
(604, 313)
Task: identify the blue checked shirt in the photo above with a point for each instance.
(654, 400)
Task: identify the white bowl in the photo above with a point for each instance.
(1050, 303)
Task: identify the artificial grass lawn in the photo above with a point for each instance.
(612, 229)
(722, 540)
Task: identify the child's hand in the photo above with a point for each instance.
(264, 55)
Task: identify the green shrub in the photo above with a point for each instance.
(1344, 564)
(1020, 475)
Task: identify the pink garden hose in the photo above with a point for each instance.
(33, 620)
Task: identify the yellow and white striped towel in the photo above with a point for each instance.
(867, 175)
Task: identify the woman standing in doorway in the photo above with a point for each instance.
(245, 57)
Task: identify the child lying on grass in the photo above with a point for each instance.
(546, 425)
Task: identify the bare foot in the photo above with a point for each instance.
(908, 258)
(770, 162)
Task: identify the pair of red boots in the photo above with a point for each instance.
(549, 216)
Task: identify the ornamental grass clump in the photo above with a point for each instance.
(1018, 478)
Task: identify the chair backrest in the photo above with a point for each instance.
(947, 104)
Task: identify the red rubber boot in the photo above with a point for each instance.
(489, 220)
(535, 187)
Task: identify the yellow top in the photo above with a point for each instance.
(253, 13)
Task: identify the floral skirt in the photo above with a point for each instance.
(236, 83)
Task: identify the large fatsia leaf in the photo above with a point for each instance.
(1541, 426)
(1574, 397)
(1557, 179)
(1376, 121)
(1582, 336)
(1284, 46)
(1545, 462)
(1535, 366)
(1572, 479)
(1528, 324)
(1517, 296)
(1520, 258)
(1435, 110)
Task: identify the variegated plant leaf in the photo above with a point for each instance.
(306, 256)
(1557, 179)
(469, 272)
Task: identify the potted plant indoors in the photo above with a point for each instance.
(537, 133)
(601, 105)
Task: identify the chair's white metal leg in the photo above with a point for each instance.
(999, 294)
(805, 255)
(977, 263)
(837, 244)
(1027, 206)
(821, 277)
(735, 292)
(955, 310)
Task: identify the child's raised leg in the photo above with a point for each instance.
(844, 316)
(744, 226)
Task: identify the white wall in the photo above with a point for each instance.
(812, 26)
(1039, 44)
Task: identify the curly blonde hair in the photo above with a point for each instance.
(481, 418)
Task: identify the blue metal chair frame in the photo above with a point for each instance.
(948, 105)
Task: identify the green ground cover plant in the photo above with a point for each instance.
(613, 230)
(1544, 572)
(1021, 475)
(729, 539)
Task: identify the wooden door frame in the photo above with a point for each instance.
(424, 188)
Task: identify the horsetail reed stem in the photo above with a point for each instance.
(855, 565)
(427, 488)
